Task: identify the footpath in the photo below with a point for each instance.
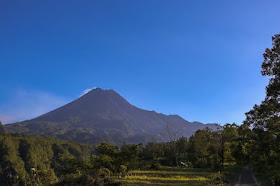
(247, 177)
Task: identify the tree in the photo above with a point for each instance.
(199, 147)
(266, 115)
(109, 157)
(229, 136)
(264, 119)
(182, 145)
(153, 151)
(130, 154)
(172, 134)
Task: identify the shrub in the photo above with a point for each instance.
(155, 166)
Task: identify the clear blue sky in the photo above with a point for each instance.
(198, 59)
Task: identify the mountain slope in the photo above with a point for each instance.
(103, 115)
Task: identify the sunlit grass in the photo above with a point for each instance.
(189, 172)
(175, 178)
(168, 176)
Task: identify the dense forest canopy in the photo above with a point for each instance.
(30, 160)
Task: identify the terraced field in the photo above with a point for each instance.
(170, 176)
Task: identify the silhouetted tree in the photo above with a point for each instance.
(264, 119)
(172, 134)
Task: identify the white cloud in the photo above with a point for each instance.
(86, 91)
(25, 105)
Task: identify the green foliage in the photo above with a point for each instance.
(155, 166)
(104, 172)
(115, 158)
(38, 160)
(261, 129)
(108, 157)
(206, 149)
(130, 155)
(99, 177)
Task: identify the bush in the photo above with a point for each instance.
(155, 166)
(123, 170)
(190, 165)
(104, 172)
(215, 179)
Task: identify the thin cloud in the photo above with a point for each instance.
(86, 91)
(25, 105)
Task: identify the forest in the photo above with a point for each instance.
(35, 160)
(27, 160)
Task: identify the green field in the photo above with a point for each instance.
(164, 176)
(170, 176)
(181, 176)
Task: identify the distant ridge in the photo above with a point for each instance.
(103, 115)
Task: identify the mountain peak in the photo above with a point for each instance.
(98, 90)
(99, 94)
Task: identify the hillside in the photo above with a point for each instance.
(26, 160)
(103, 115)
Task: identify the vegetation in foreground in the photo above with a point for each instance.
(172, 176)
(163, 176)
(27, 160)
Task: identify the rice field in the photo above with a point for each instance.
(170, 176)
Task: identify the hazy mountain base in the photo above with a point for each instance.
(65, 131)
(103, 115)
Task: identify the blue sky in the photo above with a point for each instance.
(198, 59)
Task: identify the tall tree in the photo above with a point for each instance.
(266, 115)
(172, 134)
(264, 119)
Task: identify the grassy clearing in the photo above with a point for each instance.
(169, 176)
(164, 176)
(174, 178)
(182, 176)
